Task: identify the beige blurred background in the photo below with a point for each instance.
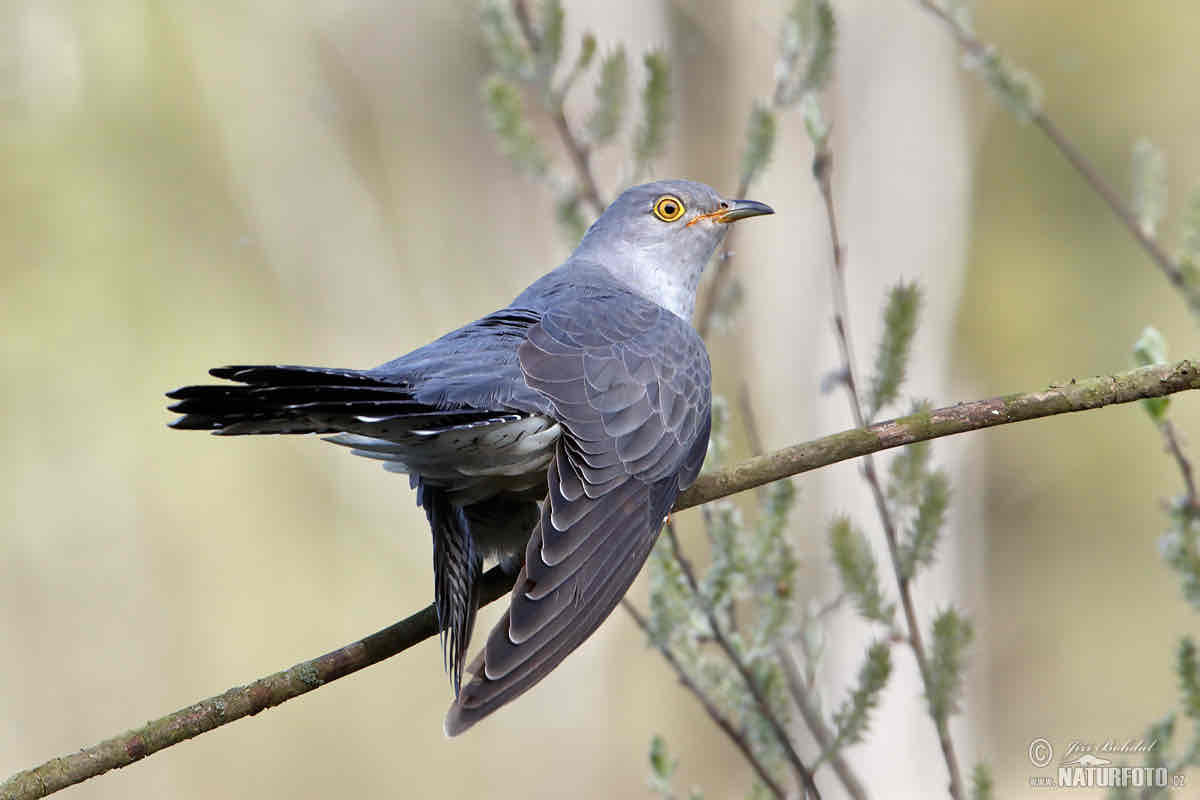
(190, 184)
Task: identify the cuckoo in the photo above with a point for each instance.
(552, 435)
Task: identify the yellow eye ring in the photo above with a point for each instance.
(668, 208)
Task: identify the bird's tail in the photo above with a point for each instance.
(291, 399)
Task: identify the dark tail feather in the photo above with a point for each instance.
(288, 375)
(287, 399)
(456, 569)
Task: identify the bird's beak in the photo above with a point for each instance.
(741, 209)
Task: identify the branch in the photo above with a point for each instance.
(242, 701)
(822, 169)
(817, 727)
(980, 50)
(1077, 395)
(578, 151)
(1175, 448)
(736, 736)
(803, 773)
(238, 702)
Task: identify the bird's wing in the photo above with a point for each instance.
(629, 383)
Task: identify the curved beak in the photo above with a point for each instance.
(741, 209)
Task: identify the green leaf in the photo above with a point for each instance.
(661, 763)
(506, 114)
(982, 785)
(1188, 671)
(1180, 548)
(852, 717)
(824, 36)
(952, 633)
(806, 48)
(760, 142)
(771, 565)
(550, 38)
(1188, 254)
(815, 123)
(1149, 185)
(718, 439)
(671, 604)
(909, 470)
(1149, 349)
(587, 51)
(662, 768)
(611, 97)
(650, 140)
(1189, 235)
(922, 535)
(1015, 88)
(891, 360)
(508, 54)
(856, 566)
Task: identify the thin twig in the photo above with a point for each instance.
(817, 727)
(750, 424)
(979, 49)
(1175, 448)
(1076, 395)
(803, 774)
(579, 153)
(822, 169)
(749, 420)
(525, 20)
(736, 736)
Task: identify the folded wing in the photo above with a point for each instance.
(629, 384)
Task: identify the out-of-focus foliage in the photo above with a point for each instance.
(891, 360)
(611, 97)
(1149, 185)
(507, 116)
(650, 138)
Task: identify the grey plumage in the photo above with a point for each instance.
(562, 427)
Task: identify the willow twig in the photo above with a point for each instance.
(579, 153)
(737, 737)
(821, 734)
(1075, 157)
(822, 169)
(803, 773)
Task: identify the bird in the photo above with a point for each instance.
(552, 435)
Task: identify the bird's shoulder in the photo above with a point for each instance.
(625, 378)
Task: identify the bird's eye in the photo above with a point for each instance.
(668, 208)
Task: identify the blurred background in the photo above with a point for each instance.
(184, 185)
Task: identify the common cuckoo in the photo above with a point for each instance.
(560, 428)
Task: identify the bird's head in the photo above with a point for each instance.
(659, 236)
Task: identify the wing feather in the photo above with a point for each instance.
(629, 384)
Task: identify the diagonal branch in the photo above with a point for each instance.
(736, 736)
(981, 50)
(1077, 395)
(578, 151)
(811, 712)
(803, 773)
(242, 701)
